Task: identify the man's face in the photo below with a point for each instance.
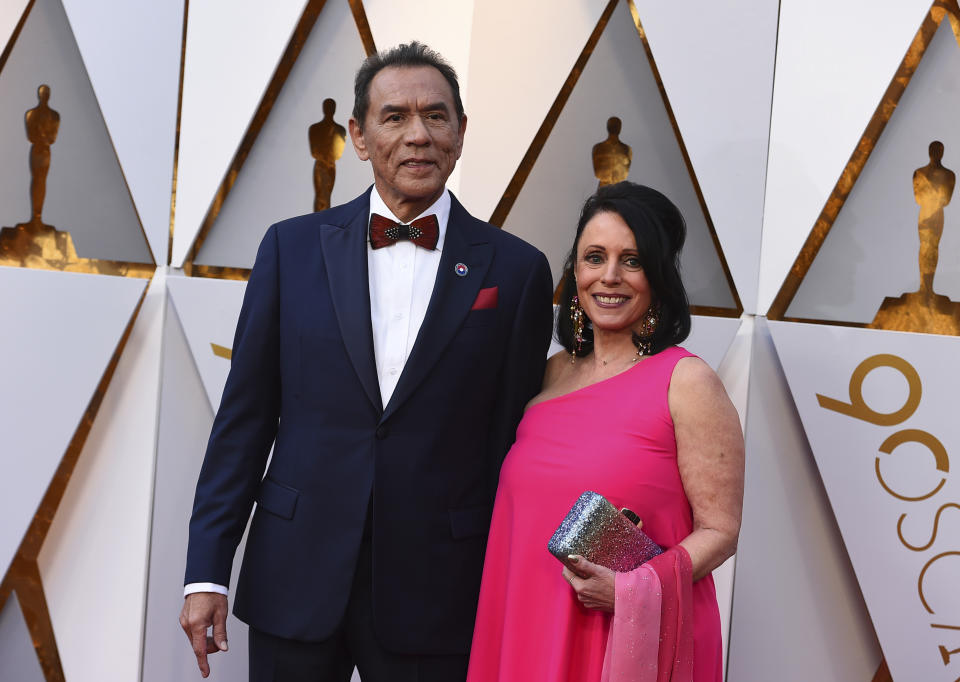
(411, 136)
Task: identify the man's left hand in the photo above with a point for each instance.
(595, 585)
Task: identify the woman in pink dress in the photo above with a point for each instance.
(629, 414)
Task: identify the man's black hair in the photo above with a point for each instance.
(405, 55)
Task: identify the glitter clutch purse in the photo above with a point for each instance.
(595, 530)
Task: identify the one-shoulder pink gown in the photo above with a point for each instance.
(616, 438)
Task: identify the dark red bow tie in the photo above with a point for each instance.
(423, 231)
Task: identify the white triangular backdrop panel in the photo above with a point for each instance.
(10, 13)
(221, 90)
(505, 113)
(729, 72)
(617, 81)
(184, 425)
(855, 270)
(872, 470)
(135, 73)
(797, 610)
(276, 181)
(208, 310)
(18, 658)
(448, 31)
(834, 62)
(68, 326)
(710, 337)
(86, 193)
(94, 559)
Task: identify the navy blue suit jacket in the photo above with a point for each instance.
(303, 379)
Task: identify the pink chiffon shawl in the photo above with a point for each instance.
(651, 636)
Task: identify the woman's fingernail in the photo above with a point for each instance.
(573, 558)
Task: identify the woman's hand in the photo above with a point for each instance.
(595, 585)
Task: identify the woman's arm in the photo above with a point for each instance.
(711, 463)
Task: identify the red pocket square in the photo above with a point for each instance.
(486, 299)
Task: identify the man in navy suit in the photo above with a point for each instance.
(386, 349)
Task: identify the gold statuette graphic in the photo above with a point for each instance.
(42, 125)
(327, 140)
(611, 158)
(34, 244)
(932, 187)
(924, 310)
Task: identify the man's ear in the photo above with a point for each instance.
(461, 131)
(359, 143)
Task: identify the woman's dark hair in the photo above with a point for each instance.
(660, 231)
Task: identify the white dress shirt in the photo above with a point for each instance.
(400, 280)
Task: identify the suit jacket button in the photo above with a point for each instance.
(382, 432)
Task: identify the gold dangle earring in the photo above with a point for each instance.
(643, 339)
(576, 317)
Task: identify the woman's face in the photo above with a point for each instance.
(611, 284)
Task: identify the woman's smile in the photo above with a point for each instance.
(610, 300)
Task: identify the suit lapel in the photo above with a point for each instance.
(450, 302)
(345, 257)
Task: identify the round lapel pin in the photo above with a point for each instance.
(461, 270)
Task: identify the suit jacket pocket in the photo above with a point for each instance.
(277, 498)
(469, 522)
